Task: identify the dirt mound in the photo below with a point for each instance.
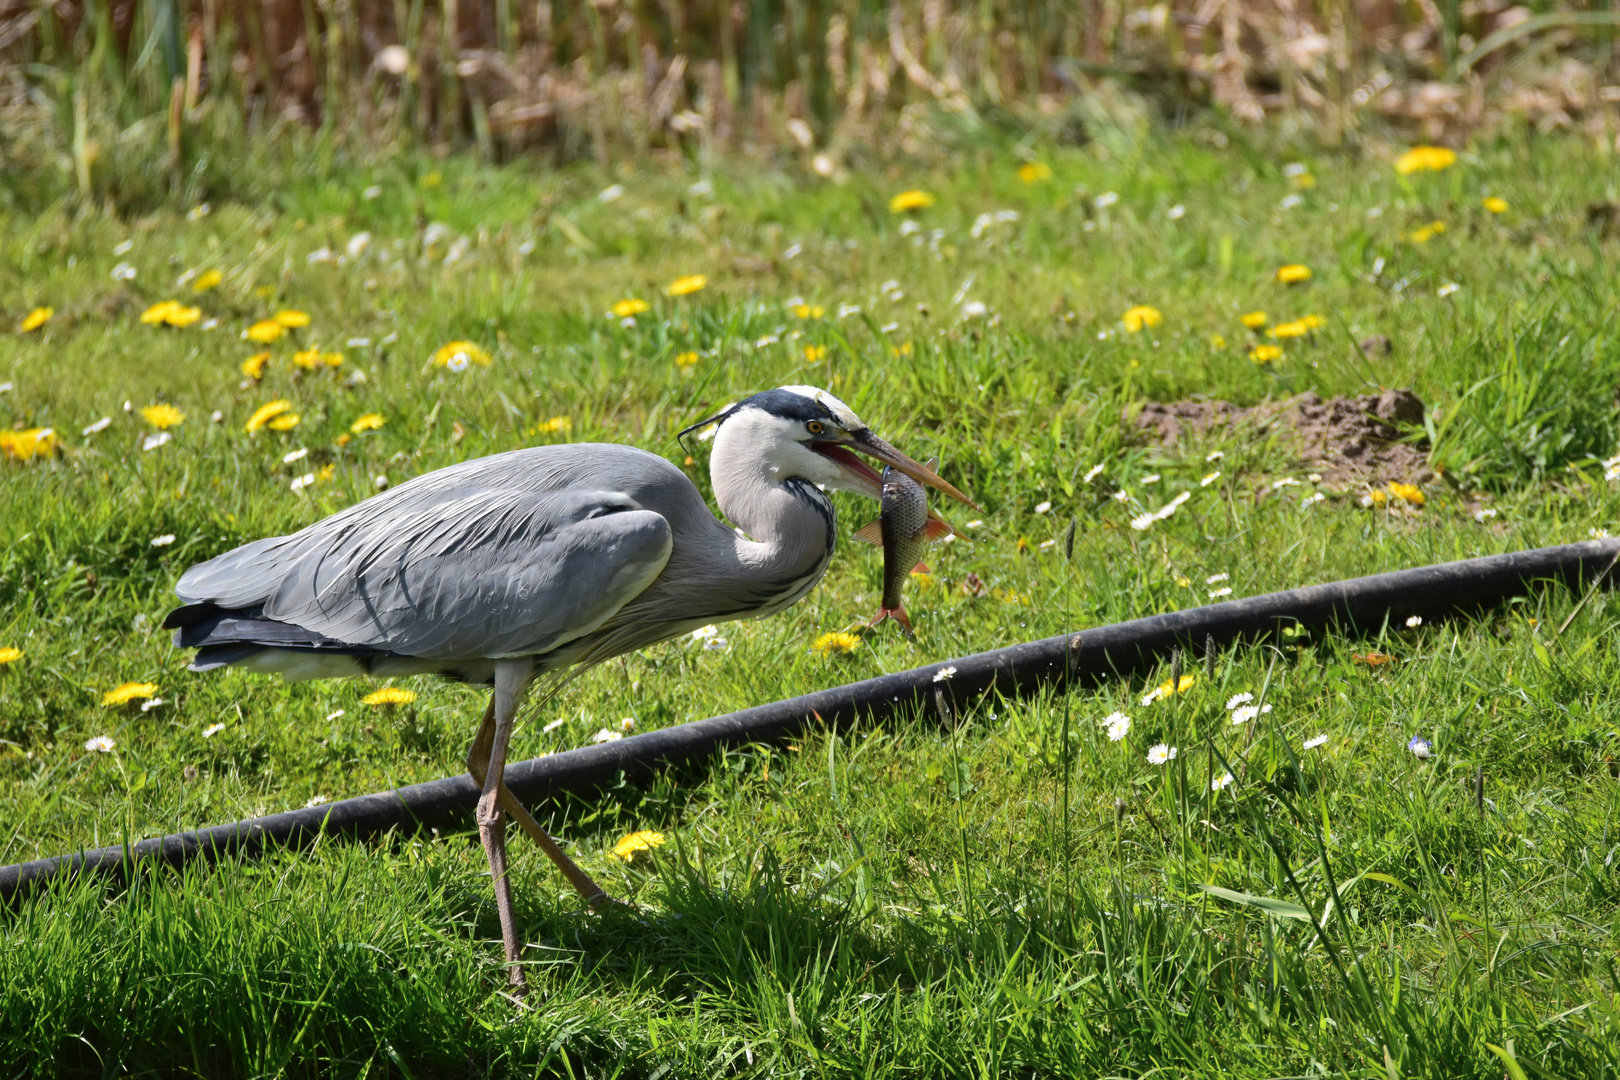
(1351, 442)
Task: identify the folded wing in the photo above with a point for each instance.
(442, 571)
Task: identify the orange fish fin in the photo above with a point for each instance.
(870, 533)
(920, 568)
(937, 529)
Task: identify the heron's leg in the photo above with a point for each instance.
(477, 767)
(511, 680)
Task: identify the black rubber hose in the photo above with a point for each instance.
(1358, 605)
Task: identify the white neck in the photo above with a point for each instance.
(763, 485)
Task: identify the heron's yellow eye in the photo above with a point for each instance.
(815, 427)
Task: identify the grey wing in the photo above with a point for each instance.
(484, 573)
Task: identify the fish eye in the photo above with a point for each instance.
(815, 427)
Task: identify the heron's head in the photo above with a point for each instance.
(804, 432)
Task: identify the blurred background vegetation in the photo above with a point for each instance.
(133, 100)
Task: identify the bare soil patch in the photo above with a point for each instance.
(1352, 442)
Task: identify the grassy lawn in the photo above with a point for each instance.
(1025, 895)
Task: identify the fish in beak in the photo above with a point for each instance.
(867, 480)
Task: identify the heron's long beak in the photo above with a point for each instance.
(874, 447)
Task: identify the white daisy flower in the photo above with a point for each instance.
(212, 729)
(1118, 726)
(1160, 753)
(1221, 782)
(1313, 743)
(101, 744)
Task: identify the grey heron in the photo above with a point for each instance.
(537, 563)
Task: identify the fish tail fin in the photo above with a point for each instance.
(898, 614)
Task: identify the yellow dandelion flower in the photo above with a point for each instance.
(1408, 493)
(1293, 273)
(158, 313)
(808, 311)
(556, 425)
(1217, 341)
(265, 331)
(170, 313)
(902, 350)
(1141, 316)
(629, 307)
(253, 367)
(1254, 320)
(206, 280)
(10, 654)
(332, 359)
(36, 319)
(1288, 330)
(1181, 686)
(457, 355)
(29, 443)
(1428, 232)
(1265, 354)
(124, 693)
(285, 422)
(163, 415)
(389, 695)
(371, 421)
(640, 842)
(308, 359)
(687, 359)
(291, 318)
(326, 473)
(907, 201)
(686, 286)
(266, 413)
(836, 643)
(1311, 322)
(815, 354)
(1493, 204)
(1033, 172)
(1425, 158)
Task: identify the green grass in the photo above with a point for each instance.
(901, 900)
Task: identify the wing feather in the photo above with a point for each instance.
(450, 571)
